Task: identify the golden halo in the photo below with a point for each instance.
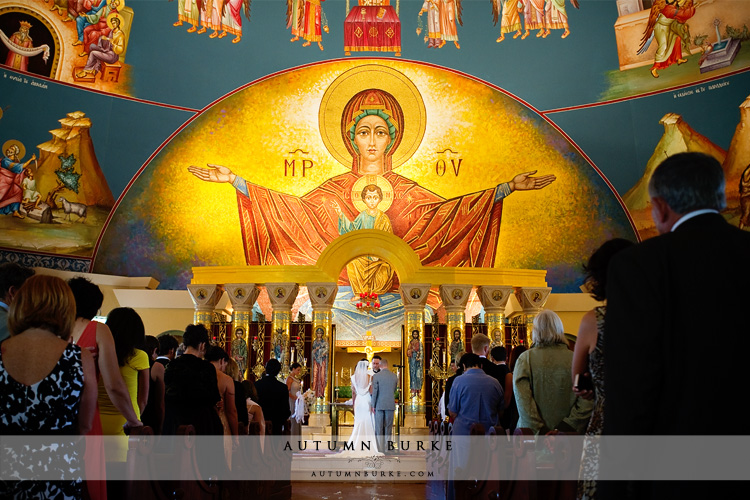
(120, 4)
(379, 181)
(13, 142)
(112, 16)
(365, 77)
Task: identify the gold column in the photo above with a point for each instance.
(282, 297)
(322, 296)
(532, 300)
(494, 299)
(243, 297)
(454, 299)
(205, 298)
(414, 297)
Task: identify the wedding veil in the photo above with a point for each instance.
(360, 376)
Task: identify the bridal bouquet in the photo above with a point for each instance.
(301, 407)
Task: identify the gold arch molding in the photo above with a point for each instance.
(381, 244)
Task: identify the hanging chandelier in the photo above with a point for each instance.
(368, 303)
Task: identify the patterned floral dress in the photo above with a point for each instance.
(590, 458)
(48, 407)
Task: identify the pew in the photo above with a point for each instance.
(535, 480)
(249, 468)
(280, 463)
(146, 467)
(489, 466)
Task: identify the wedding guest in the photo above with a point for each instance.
(475, 397)
(96, 338)
(254, 411)
(500, 355)
(240, 398)
(129, 335)
(449, 383)
(191, 387)
(509, 420)
(153, 415)
(547, 403)
(294, 384)
(12, 276)
(219, 358)
(588, 357)
(273, 396)
(480, 345)
(51, 392)
(226, 408)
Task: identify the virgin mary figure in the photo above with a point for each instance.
(283, 229)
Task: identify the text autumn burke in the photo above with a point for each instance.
(370, 446)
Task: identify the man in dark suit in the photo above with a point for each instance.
(676, 294)
(273, 396)
(480, 345)
(384, 385)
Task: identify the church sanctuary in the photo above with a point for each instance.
(323, 242)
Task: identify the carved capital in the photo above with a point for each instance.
(455, 297)
(282, 295)
(322, 295)
(205, 297)
(494, 298)
(532, 299)
(414, 295)
(242, 295)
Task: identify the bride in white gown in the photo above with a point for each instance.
(363, 433)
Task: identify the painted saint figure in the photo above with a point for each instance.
(457, 345)
(30, 194)
(93, 24)
(666, 25)
(450, 13)
(107, 50)
(434, 35)
(311, 23)
(239, 350)
(11, 178)
(556, 18)
(511, 17)
(461, 231)
(320, 363)
(231, 22)
(295, 13)
(533, 18)
(415, 355)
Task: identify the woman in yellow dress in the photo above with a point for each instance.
(130, 339)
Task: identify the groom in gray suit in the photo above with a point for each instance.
(383, 403)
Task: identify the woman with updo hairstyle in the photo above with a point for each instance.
(50, 392)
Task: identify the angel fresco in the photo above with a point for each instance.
(542, 15)
(511, 17)
(441, 22)
(461, 231)
(306, 18)
(667, 25)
